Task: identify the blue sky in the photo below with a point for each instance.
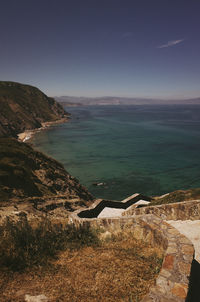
(143, 48)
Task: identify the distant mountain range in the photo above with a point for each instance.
(99, 101)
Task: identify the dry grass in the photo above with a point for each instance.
(177, 196)
(118, 270)
(23, 246)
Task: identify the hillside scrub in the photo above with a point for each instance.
(23, 246)
(177, 196)
(118, 269)
(25, 172)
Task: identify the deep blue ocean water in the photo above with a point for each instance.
(149, 149)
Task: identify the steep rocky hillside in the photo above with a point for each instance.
(23, 107)
(25, 172)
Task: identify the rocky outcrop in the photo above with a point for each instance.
(23, 107)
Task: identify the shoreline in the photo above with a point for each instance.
(28, 134)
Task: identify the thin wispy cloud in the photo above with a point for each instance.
(171, 43)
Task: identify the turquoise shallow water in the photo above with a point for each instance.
(147, 149)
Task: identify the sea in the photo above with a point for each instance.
(116, 151)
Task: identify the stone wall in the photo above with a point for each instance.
(97, 207)
(173, 211)
(173, 280)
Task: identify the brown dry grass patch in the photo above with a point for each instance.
(119, 270)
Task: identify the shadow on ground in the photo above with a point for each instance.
(194, 283)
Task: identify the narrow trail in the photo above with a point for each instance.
(191, 229)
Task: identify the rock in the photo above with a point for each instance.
(39, 298)
(180, 290)
(168, 262)
(99, 184)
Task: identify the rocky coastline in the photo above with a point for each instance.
(29, 178)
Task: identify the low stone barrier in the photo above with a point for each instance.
(173, 280)
(97, 207)
(173, 211)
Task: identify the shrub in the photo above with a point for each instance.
(22, 246)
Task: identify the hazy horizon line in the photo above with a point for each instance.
(130, 97)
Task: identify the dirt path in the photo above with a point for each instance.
(191, 229)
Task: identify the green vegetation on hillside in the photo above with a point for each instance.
(24, 107)
(25, 172)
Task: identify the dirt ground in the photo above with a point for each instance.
(119, 270)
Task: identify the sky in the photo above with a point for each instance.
(131, 48)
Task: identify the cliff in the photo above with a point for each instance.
(23, 107)
(25, 172)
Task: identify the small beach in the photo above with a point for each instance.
(26, 135)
